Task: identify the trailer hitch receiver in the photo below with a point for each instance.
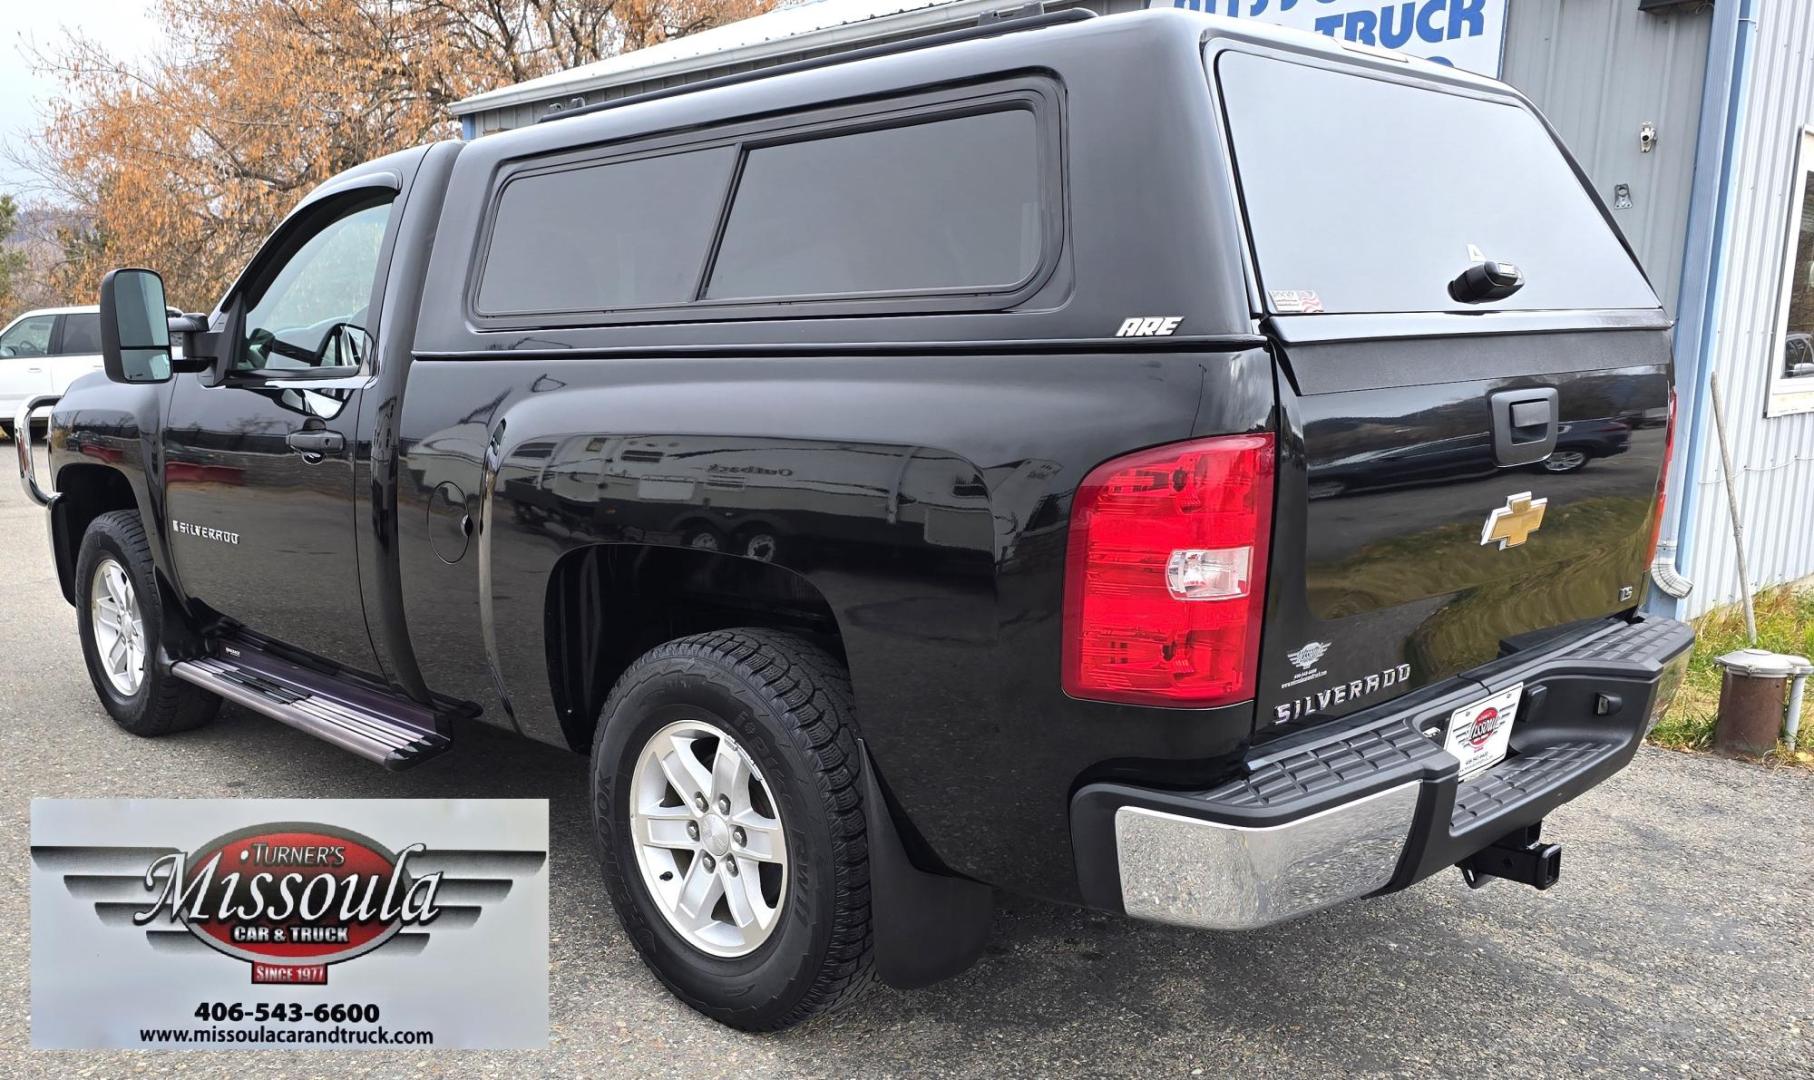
(1519, 856)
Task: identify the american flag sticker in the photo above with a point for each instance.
(1296, 302)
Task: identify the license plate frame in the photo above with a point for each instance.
(1480, 733)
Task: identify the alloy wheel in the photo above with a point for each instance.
(708, 839)
(119, 627)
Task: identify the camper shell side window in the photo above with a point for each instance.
(949, 201)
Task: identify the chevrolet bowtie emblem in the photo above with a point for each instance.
(1513, 523)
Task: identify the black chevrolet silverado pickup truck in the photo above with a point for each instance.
(899, 472)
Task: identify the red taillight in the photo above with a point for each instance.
(1166, 574)
(1656, 527)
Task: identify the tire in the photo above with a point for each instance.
(703, 537)
(159, 703)
(786, 702)
(1566, 461)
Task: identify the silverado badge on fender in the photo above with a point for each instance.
(1513, 523)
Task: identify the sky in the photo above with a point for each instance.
(127, 28)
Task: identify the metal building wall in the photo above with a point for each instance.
(1774, 457)
(1599, 71)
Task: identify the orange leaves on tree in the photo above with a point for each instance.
(186, 163)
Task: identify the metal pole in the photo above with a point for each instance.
(1738, 529)
(1792, 727)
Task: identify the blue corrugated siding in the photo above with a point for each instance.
(1774, 458)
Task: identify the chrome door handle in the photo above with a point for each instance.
(313, 444)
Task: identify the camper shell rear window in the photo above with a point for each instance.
(1370, 194)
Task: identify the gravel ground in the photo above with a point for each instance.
(1680, 940)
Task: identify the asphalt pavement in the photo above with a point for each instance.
(1680, 940)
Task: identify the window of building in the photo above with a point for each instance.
(1792, 380)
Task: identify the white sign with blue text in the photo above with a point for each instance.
(1467, 34)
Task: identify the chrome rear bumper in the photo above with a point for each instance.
(1369, 804)
(1208, 874)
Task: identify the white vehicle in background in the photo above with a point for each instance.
(43, 351)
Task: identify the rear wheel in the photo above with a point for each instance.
(725, 801)
(1565, 461)
(758, 542)
(703, 537)
(120, 613)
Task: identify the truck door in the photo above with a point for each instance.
(260, 455)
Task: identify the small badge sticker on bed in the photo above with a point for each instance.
(1296, 302)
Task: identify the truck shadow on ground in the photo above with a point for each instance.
(1382, 985)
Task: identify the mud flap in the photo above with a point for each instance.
(928, 927)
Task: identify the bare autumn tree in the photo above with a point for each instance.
(186, 162)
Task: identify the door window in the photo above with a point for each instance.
(81, 335)
(28, 337)
(312, 314)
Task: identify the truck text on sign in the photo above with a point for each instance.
(1460, 33)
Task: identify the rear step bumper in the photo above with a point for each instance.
(1374, 804)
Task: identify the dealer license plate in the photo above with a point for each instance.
(1479, 734)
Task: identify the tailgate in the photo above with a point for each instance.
(1407, 553)
(1474, 375)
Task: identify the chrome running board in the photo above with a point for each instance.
(393, 731)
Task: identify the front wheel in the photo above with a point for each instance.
(727, 810)
(120, 612)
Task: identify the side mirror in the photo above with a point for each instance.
(135, 331)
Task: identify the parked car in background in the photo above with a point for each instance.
(1581, 441)
(43, 351)
(1798, 354)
